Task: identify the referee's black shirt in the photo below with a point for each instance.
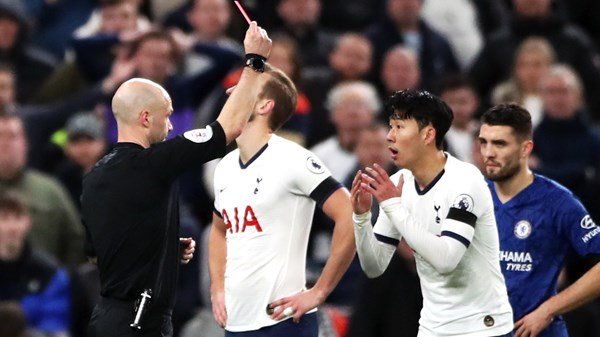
(130, 211)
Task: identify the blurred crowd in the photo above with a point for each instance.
(61, 61)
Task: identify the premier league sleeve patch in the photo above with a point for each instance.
(199, 135)
(463, 202)
(314, 165)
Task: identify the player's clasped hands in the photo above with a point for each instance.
(257, 41)
(373, 182)
(296, 305)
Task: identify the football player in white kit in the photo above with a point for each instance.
(265, 195)
(443, 209)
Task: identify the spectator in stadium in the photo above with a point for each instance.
(350, 60)
(85, 145)
(462, 98)
(42, 120)
(56, 21)
(382, 300)
(154, 56)
(352, 107)
(30, 276)
(210, 20)
(356, 14)
(533, 60)
(567, 146)
(402, 24)
(92, 44)
(114, 17)
(300, 19)
(31, 65)
(55, 225)
(539, 222)
(538, 18)
(371, 147)
(458, 21)
(400, 70)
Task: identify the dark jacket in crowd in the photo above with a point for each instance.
(31, 65)
(571, 44)
(436, 57)
(569, 152)
(41, 121)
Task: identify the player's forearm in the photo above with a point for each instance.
(374, 256)
(582, 291)
(217, 253)
(239, 106)
(442, 252)
(341, 255)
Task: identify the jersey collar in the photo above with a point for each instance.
(245, 166)
(431, 184)
(523, 194)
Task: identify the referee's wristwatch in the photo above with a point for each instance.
(255, 62)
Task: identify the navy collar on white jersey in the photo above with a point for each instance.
(256, 155)
(431, 184)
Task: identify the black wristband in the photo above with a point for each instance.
(255, 62)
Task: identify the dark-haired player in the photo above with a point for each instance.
(443, 209)
(539, 222)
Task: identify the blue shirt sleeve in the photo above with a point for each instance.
(578, 227)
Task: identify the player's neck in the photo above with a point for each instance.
(428, 168)
(252, 139)
(509, 188)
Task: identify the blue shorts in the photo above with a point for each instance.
(307, 327)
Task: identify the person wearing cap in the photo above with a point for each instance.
(85, 145)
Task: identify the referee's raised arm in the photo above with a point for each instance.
(239, 106)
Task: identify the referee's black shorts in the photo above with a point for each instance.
(111, 318)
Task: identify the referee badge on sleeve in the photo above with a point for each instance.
(199, 135)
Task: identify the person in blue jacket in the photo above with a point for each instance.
(30, 276)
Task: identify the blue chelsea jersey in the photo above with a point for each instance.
(537, 228)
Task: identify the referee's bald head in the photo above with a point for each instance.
(136, 96)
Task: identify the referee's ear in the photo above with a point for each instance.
(145, 118)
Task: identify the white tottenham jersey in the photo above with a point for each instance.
(267, 208)
(472, 299)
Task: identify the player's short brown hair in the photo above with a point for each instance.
(282, 90)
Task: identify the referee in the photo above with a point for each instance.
(129, 200)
